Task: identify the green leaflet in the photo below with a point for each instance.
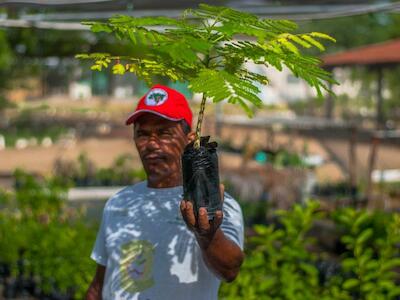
(120, 20)
(322, 36)
(313, 42)
(220, 85)
(350, 283)
(99, 27)
(118, 69)
(223, 13)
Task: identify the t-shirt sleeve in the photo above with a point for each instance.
(99, 252)
(232, 224)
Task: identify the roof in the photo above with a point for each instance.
(375, 54)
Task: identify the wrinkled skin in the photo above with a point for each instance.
(160, 143)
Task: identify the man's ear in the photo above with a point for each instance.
(191, 136)
(133, 131)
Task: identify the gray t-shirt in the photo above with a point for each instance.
(148, 251)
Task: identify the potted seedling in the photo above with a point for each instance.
(208, 47)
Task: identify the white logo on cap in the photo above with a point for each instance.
(156, 97)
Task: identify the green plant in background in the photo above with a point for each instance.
(282, 260)
(35, 198)
(373, 254)
(59, 254)
(83, 172)
(255, 212)
(284, 158)
(208, 47)
(51, 241)
(279, 264)
(121, 172)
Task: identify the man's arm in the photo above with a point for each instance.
(95, 288)
(223, 256)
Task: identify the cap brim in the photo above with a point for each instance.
(132, 118)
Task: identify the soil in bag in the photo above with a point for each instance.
(200, 176)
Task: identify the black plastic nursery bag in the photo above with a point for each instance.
(200, 177)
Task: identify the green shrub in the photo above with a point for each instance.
(281, 264)
(84, 172)
(51, 240)
(372, 241)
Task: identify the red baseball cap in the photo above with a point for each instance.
(164, 102)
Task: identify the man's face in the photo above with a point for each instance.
(160, 143)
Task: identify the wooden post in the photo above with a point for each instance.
(371, 165)
(271, 139)
(353, 163)
(329, 104)
(218, 119)
(380, 122)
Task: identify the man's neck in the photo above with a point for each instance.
(167, 182)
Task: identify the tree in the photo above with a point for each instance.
(208, 47)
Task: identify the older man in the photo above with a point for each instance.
(150, 245)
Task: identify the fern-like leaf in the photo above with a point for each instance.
(210, 51)
(221, 85)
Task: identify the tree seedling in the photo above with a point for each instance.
(209, 47)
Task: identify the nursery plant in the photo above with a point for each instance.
(285, 260)
(209, 48)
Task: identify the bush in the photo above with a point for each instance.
(44, 245)
(84, 172)
(280, 263)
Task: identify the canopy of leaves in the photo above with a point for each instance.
(208, 47)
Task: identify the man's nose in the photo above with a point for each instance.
(153, 142)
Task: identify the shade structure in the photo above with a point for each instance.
(375, 54)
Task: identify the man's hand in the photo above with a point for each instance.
(221, 255)
(203, 228)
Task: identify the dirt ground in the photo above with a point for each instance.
(102, 152)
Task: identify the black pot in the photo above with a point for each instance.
(200, 176)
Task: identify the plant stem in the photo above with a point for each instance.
(200, 121)
(202, 108)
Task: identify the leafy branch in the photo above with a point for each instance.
(208, 47)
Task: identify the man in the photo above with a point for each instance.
(150, 246)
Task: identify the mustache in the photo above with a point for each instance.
(154, 155)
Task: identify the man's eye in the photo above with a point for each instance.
(165, 132)
(140, 133)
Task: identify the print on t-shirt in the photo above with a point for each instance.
(136, 266)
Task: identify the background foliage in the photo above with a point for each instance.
(45, 247)
(284, 261)
(208, 47)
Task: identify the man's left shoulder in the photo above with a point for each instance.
(123, 196)
(231, 206)
(232, 224)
